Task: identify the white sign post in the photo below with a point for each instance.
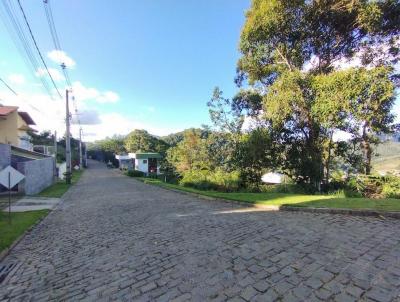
(9, 177)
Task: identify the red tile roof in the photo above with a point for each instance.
(6, 110)
(26, 117)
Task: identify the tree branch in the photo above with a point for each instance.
(284, 59)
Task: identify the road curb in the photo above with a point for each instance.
(362, 213)
(341, 211)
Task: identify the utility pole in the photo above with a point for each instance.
(55, 145)
(80, 149)
(55, 155)
(67, 140)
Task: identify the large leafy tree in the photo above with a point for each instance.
(142, 141)
(370, 103)
(290, 50)
(256, 154)
(190, 154)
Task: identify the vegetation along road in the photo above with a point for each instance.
(115, 237)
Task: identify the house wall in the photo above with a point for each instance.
(5, 156)
(141, 166)
(39, 174)
(9, 129)
(9, 133)
(23, 136)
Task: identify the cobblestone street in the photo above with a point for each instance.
(116, 239)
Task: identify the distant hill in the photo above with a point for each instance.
(174, 138)
(387, 156)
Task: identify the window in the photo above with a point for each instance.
(145, 161)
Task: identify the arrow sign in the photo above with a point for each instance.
(9, 177)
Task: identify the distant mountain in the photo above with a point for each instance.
(387, 155)
(390, 137)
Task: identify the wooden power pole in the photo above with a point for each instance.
(80, 149)
(68, 173)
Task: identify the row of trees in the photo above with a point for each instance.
(310, 73)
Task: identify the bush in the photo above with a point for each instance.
(134, 173)
(391, 187)
(212, 180)
(373, 187)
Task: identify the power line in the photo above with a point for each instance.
(30, 58)
(37, 48)
(57, 45)
(16, 94)
(8, 86)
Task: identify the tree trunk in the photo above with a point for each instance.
(367, 151)
(328, 161)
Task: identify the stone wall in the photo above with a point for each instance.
(39, 174)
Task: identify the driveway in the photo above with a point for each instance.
(114, 238)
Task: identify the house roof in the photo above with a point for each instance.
(144, 155)
(6, 110)
(26, 117)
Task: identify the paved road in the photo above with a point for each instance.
(114, 238)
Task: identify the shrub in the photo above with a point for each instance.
(134, 173)
(391, 187)
(373, 186)
(212, 180)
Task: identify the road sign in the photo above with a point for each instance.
(9, 177)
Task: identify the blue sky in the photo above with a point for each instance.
(160, 59)
(134, 64)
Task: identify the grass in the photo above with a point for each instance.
(58, 189)
(20, 222)
(298, 200)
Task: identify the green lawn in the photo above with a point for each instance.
(19, 223)
(58, 189)
(298, 200)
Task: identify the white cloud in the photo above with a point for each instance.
(86, 117)
(116, 123)
(49, 114)
(60, 57)
(55, 74)
(83, 93)
(16, 78)
(108, 97)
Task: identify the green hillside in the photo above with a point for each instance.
(387, 157)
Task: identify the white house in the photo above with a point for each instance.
(147, 162)
(273, 178)
(125, 162)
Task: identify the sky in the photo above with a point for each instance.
(133, 64)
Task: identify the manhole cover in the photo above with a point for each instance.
(5, 270)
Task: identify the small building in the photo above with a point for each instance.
(14, 127)
(273, 178)
(125, 162)
(146, 162)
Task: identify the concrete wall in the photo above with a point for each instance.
(39, 174)
(5, 156)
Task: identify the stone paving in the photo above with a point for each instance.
(116, 239)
